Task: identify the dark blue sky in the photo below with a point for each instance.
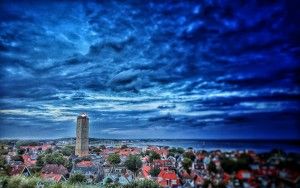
(209, 69)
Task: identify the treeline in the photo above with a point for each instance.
(28, 143)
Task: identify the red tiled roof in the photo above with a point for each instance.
(169, 175)
(166, 178)
(128, 151)
(188, 176)
(199, 180)
(193, 176)
(17, 169)
(52, 177)
(200, 156)
(46, 146)
(42, 147)
(145, 171)
(85, 164)
(54, 169)
(160, 151)
(28, 161)
(162, 163)
(268, 171)
(226, 177)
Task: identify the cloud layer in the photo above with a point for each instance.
(211, 69)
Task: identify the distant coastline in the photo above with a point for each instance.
(257, 145)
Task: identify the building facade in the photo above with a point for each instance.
(82, 136)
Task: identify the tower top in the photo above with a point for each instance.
(83, 115)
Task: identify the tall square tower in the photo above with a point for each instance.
(82, 136)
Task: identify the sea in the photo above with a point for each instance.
(258, 146)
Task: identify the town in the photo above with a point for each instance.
(76, 163)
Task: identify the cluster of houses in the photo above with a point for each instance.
(206, 169)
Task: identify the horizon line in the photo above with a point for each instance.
(204, 139)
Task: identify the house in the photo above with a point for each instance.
(121, 179)
(226, 178)
(191, 179)
(267, 171)
(244, 175)
(19, 168)
(54, 172)
(43, 147)
(54, 169)
(163, 152)
(145, 159)
(92, 171)
(290, 178)
(173, 160)
(96, 158)
(255, 167)
(146, 172)
(29, 160)
(53, 177)
(206, 161)
(125, 179)
(163, 164)
(168, 178)
(198, 165)
(46, 146)
(129, 151)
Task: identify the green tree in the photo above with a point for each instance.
(186, 164)
(243, 162)
(142, 184)
(171, 154)
(27, 143)
(68, 150)
(14, 182)
(48, 151)
(212, 167)
(21, 151)
(114, 159)
(55, 158)
(40, 161)
(207, 183)
(77, 178)
(228, 165)
(133, 163)
(154, 172)
(2, 161)
(189, 155)
(97, 150)
(3, 151)
(180, 150)
(29, 182)
(173, 150)
(4, 168)
(153, 155)
(4, 181)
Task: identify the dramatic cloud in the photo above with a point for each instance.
(209, 69)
